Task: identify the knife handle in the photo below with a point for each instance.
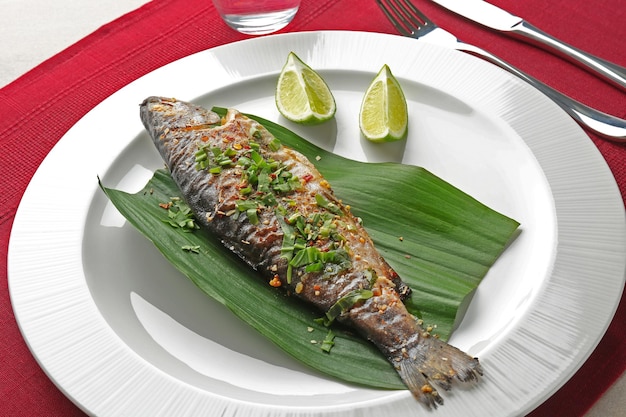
(612, 72)
(603, 124)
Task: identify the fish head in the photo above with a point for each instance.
(160, 114)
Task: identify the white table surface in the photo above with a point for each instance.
(35, 30)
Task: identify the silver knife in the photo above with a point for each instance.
(493, 17)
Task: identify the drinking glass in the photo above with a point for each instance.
(257, 17)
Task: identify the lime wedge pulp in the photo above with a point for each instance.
(302, 96)
(384, 115)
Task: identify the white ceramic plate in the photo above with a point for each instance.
(124, 334)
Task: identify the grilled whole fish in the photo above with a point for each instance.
(272, 207)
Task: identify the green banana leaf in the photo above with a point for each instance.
(440, 240)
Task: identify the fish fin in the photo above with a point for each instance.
(431, 362)
(418, 383)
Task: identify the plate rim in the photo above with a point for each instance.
(30, 322)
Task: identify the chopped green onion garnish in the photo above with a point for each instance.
(314, 267)
(324, 203)
(179, 215)
(274, 145)
(344, 304)
(328, 342)
(252, 216)
(255, 133)
(256, 157)
(191, 248)
(245, 205)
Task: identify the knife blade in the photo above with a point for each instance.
(495, 18)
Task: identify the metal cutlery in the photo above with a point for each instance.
(495, 18)
(409, 21)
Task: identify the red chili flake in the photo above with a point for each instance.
(316, 287)
(204, 138)
(307, 177)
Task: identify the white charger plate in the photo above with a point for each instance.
(122, 333)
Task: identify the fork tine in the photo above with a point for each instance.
(405, 17)
(396, 18)
(410, 9)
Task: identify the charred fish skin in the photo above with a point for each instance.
(214, 198)
(270, 205)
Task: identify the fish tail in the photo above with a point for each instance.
(431, 362)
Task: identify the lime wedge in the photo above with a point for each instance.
(384, 116)
(302, 96)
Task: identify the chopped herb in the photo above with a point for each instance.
(298, 230)
(253, 216)
(344, 304)
(249, 207)
(314, 267)
(179, 215)
(275, 145)
(314, 256)
(263, 180)
(289, 240)
(328, 342)
(324, 203)
(255, 133)
(214, 158)
(372, 276)
(245, 205)
(191, 248)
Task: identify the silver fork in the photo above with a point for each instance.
(409, 21)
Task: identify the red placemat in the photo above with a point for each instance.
(42, 105)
